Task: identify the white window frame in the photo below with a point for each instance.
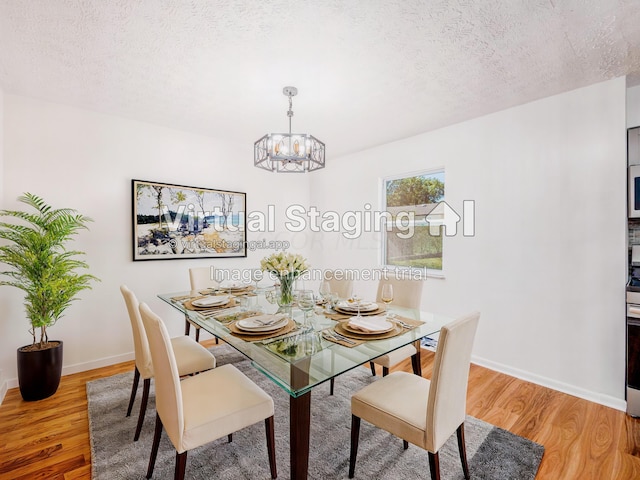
(430, 272)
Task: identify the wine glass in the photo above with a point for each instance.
(332, 300)
(387, 295)
(306, 302)
(256, 276)
(270, 295)
(325, 289)
(355, 298)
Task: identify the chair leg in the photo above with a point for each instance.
(405, 444)
(434, 465)
(197, 334)
(355, 436)
(463, 451)
(154, 446)
(373, 368)
(385, 371)
(216, 340)
(271, 445)
(230, 437)
(134, 389)
(332, 383)
(143, 407)
(181, 465)
(187, 326)
(416, 363)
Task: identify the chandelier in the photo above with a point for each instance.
(289, 152)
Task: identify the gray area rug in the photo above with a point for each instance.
(493, 453)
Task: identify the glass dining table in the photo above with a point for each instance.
(303, 358)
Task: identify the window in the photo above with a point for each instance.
(413, 237)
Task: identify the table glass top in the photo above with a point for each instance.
(301, 359)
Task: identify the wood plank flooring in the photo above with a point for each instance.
(49, 439)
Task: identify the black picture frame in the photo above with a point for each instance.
(173, 222)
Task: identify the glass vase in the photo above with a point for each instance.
(285, 297)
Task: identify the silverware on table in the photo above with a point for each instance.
(339, 337)
(403, 324)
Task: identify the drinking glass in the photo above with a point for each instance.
(256, 276)
(270, 295)
(332, 300)
(358, 301)
(387, 295)
(325, 289)
(306, 303)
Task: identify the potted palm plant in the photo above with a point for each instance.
(49, 275)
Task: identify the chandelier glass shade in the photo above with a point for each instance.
(289, 152)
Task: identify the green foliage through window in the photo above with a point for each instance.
(418, 195)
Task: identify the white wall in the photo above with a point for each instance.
(546, 267)
(84, 160)
(633, 107)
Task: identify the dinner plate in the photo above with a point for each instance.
(262, 323)
(353, 307)
(212, 301)
(374, 325)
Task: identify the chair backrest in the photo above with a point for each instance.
(446, 406)
(406, 292)
(339, 282)
(202, 277)
(166, 379)
(140, 342)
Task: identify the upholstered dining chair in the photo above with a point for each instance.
(202, 408)
(191, 357)
(406, 293)
(339, 282)
(200, 278)
(425, 413)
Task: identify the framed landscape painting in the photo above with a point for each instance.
(174, 221)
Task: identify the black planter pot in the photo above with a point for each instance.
(39, 372)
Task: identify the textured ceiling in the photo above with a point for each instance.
(368, 71)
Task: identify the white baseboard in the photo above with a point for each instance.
(83, 367)
(602, 399)
(3, 387)
(606, 400)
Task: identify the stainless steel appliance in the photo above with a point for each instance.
(633, 334)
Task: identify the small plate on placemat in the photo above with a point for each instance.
(234, 286)
(377, 311)
(255, 336)
(262, 323)
(198, 304)
(340, 328)
(353, 306)
(372, 325)
(210, 301)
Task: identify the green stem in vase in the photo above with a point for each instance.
(286, 289)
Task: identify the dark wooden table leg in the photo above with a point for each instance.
(300, 423)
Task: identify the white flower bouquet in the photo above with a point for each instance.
(287, 267)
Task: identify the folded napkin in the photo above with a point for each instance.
(372, 324)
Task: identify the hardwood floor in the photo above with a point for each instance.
(49, 439)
